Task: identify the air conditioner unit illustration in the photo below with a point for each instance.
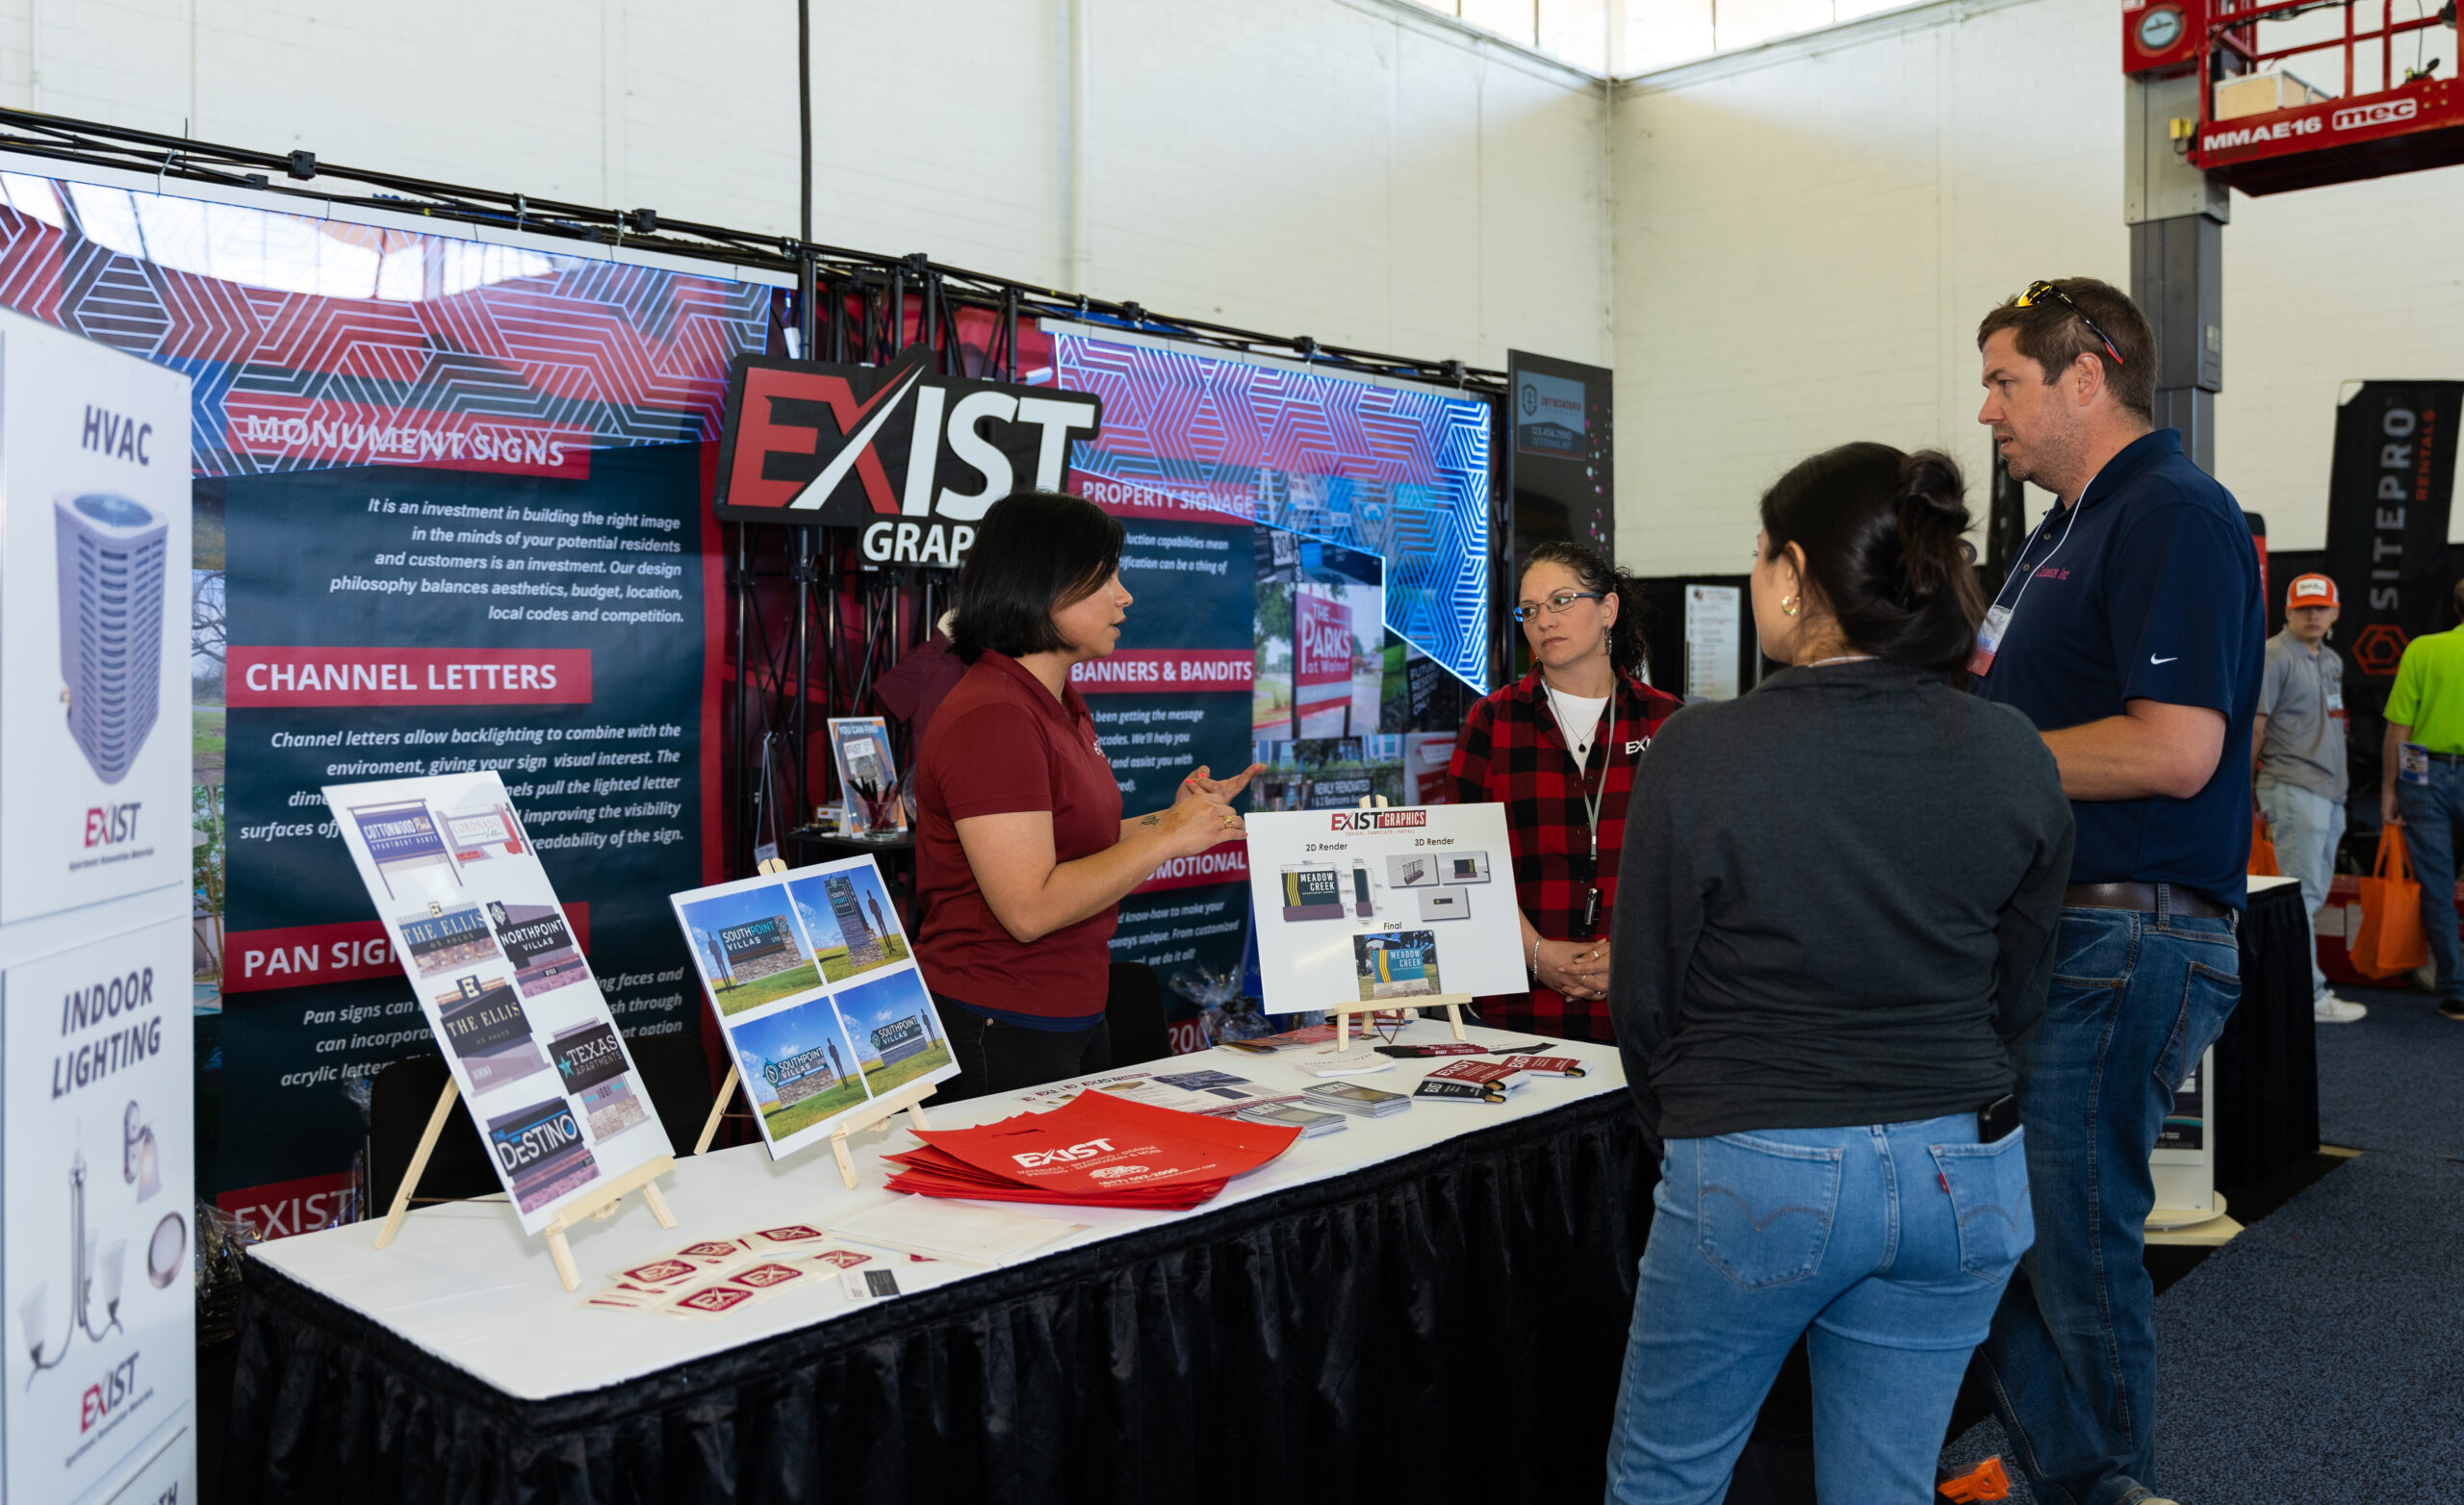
(113, 553)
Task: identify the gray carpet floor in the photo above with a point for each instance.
(2320, 1355)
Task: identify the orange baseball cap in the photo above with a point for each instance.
(2310, 590)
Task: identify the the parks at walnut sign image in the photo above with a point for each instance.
(816, 990)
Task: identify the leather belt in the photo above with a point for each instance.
(2141, 898)
(2451, 759)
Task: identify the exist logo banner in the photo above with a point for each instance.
(911, 459)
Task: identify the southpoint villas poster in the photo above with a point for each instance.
(813, 981)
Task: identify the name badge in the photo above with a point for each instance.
(1989, 639)
(2412, 763)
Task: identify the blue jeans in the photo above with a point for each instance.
(2136, 998)
(2431, 812)
(1891, 1243)
(2307, 827)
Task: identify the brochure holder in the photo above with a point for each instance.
(642, 1178)
(909, 1100)
(1452, 1003)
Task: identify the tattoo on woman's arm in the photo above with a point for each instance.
(1156, 819)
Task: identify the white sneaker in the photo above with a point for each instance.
(2425, 976)
(2328, 1008)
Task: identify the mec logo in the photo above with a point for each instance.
(2384, 113)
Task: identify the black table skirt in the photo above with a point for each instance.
(1447, 1326)
(2266, 1061)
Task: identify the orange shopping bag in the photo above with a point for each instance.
(2262, 848)
(2391, 938)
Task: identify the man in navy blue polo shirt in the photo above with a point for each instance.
(2132, 633)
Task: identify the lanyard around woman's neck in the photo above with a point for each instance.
(1583, 766)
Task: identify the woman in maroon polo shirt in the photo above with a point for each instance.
(1557, 748)
(1022, 856)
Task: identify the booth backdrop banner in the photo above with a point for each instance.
(313, 345)
(1175, 694)
(409, 623)
(100, 1137)
(1397, 470)
(94, 578)
(2388, 498)
(454, 876)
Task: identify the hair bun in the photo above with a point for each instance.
(1930, 504)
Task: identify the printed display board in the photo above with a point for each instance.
(817, 992)
(94, 546)
(520, 1018)
(100, 1239)
(1372, 905)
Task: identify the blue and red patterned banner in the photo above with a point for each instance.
(451, 516)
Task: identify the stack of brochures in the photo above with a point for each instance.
(1309, 1121)
(1096, 1150)
(1350, 1097)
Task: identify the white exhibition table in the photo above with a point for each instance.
(463, 1283)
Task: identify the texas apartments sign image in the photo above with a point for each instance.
(911, 459)
(395, 623)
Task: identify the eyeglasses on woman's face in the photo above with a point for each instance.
(1557, 605)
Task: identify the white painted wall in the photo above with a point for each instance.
(1359, 170)
(1806, 235)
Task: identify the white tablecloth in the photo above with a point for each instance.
(463, 1283)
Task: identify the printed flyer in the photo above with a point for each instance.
(492, 958)
(817, 992)
(1383, 906)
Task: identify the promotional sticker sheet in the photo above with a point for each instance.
(817, 992)
(501, 979)
(1383, 906)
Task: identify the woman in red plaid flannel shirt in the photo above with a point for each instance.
(1557, 748)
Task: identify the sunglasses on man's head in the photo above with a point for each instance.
(1561, 602)
(2046, 293)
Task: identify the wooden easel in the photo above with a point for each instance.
(909, 1100)
(1343, 1011)
(600, 1203)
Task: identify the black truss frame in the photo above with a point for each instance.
(791, 589)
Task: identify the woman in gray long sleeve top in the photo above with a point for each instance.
(1833, 937)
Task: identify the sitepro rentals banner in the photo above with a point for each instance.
(2388, 503)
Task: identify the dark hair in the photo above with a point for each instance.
(2051, 334)
(1035, 553)
(1627, 653)
(1881, 533)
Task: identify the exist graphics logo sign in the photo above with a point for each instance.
(911, 459)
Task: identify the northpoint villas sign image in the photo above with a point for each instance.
(913, 460)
